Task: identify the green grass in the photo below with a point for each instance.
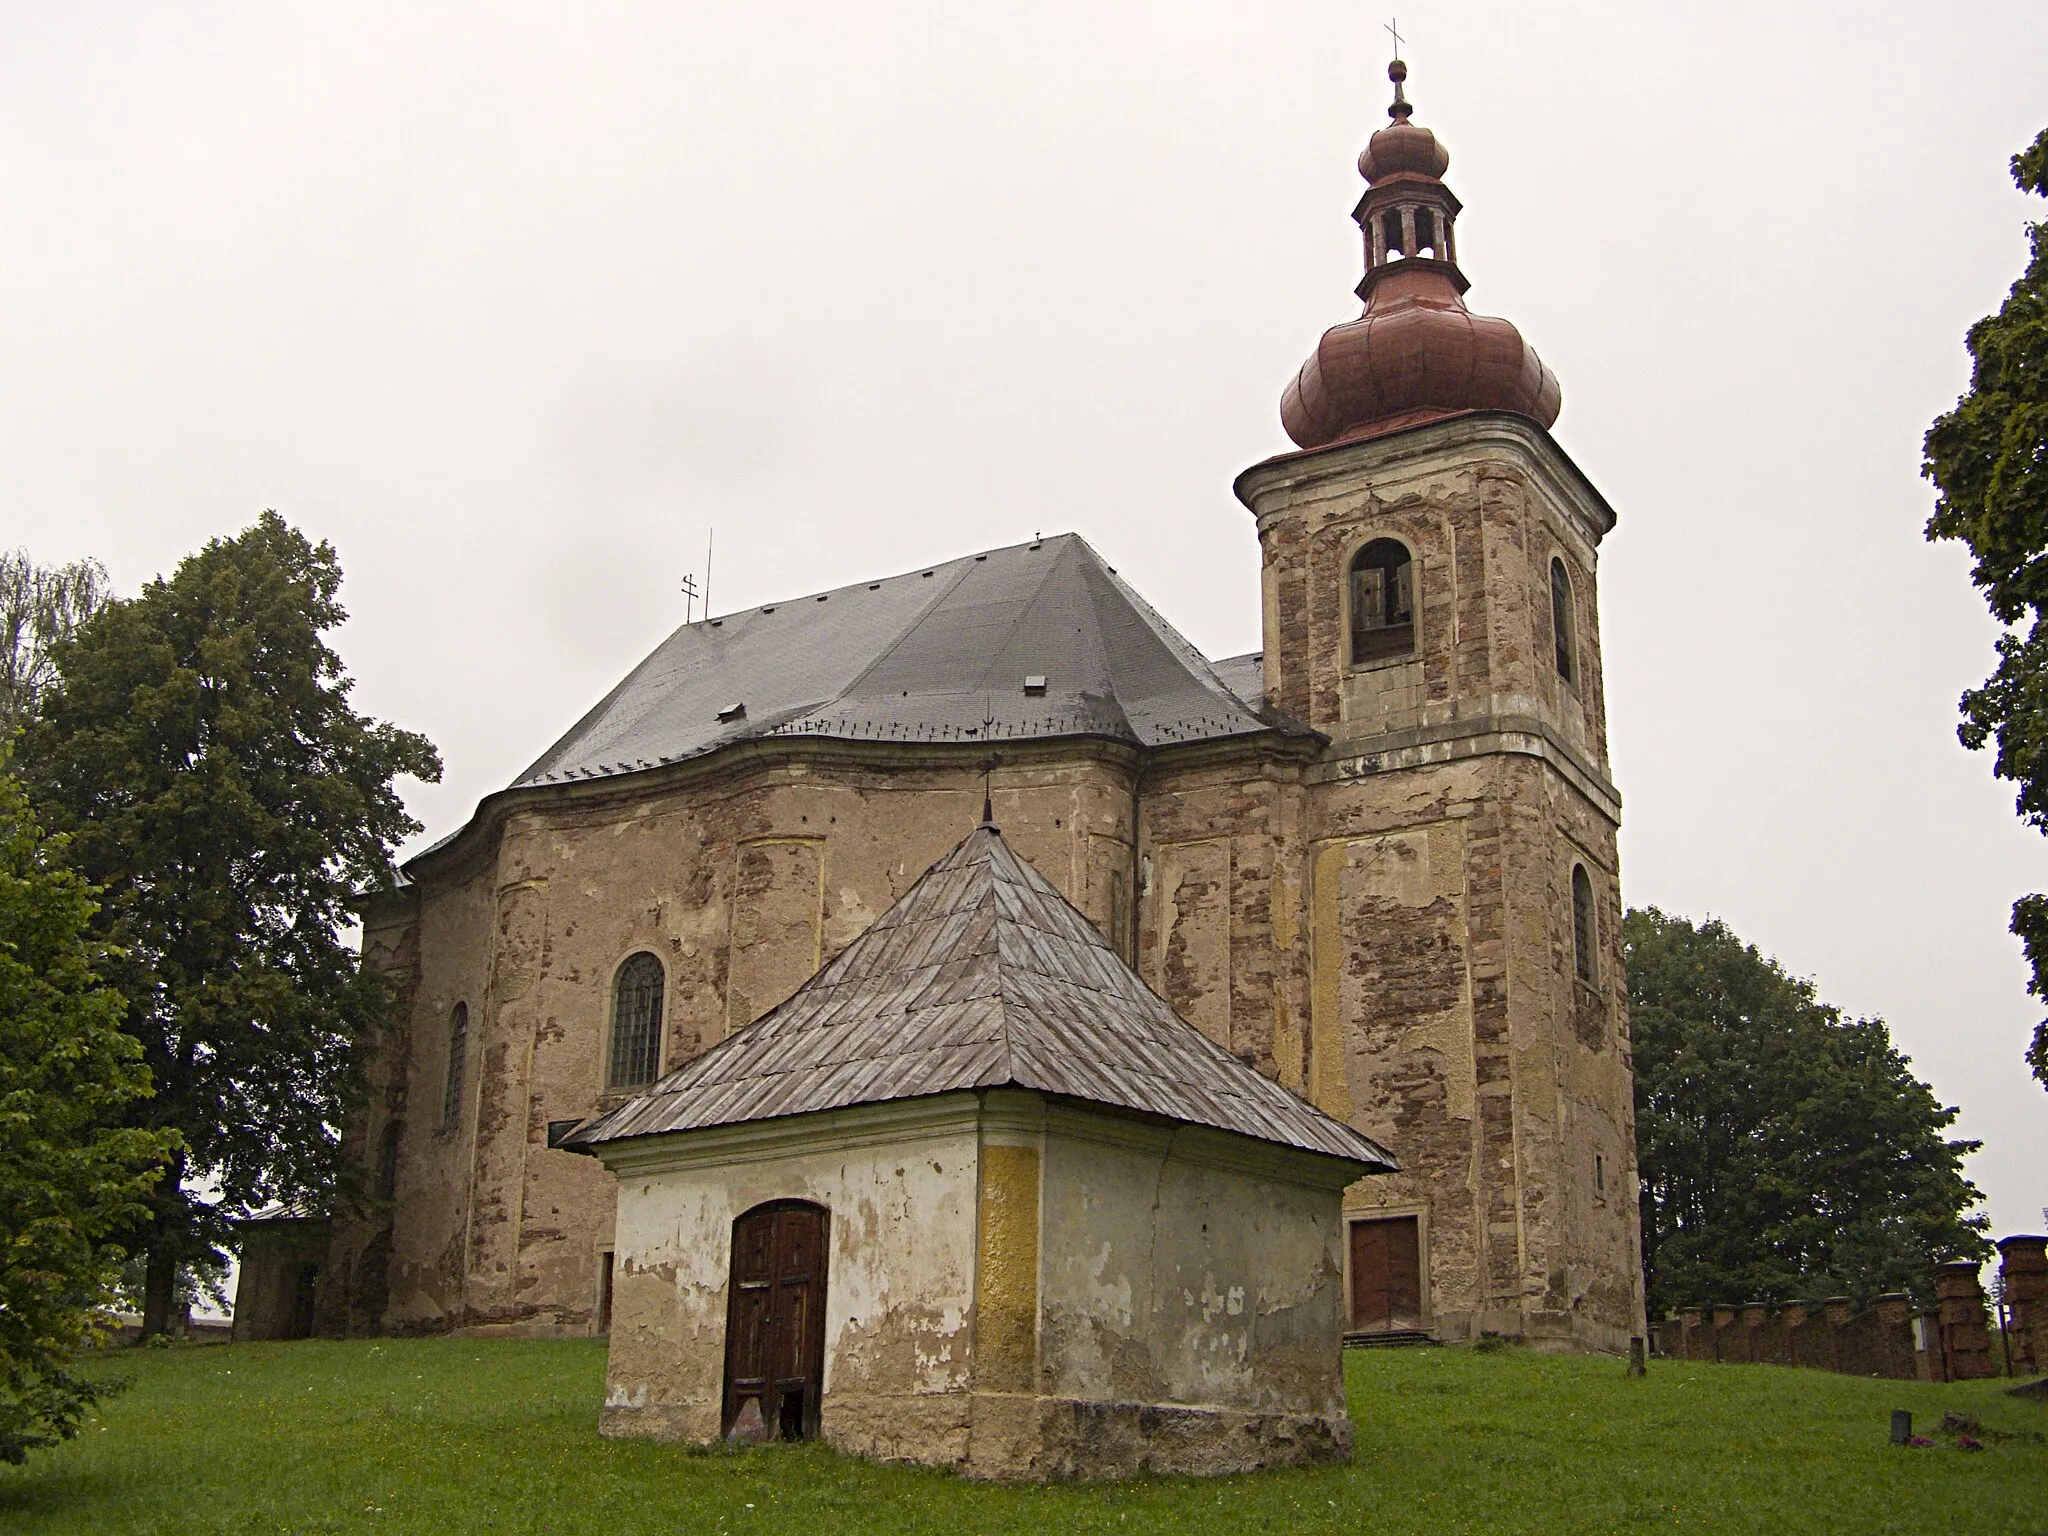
(447, 1435)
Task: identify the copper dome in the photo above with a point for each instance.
(1401, 146)
(1417, 354)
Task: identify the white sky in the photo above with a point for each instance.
(514, 302)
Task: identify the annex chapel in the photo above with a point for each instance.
(1374, 861)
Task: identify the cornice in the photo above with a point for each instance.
(1410, 447)
(763, 754)
(1495, 732)
(860, 1125)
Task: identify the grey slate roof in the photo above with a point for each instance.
(925, 656)
(982, 976)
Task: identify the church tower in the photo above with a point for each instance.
(1430, 596)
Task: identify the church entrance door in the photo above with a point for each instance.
(775, 1322)
(1386, 1274)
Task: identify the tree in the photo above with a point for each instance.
(1988, 459)
(200, 749)
(71, 1175)
(1784, 1150)
(40, 609)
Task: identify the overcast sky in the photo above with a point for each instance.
(514, 303)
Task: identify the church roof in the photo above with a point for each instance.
(981, 976)
(1043, 636)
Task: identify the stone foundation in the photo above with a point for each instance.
(1010, 1437)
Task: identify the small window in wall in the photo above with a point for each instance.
(458, 1056)
(387, 1159)
(604, 1292)
(1582, 926)
(636, 1023)
(1382, 602)
(1563, 627)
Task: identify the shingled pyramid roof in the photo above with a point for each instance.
(982, 976)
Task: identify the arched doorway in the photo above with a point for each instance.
(775, 1318)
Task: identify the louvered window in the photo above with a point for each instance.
(636, 1022)
(458, 1056)
(1583, 926)
(1382, 602)
(1563, 628)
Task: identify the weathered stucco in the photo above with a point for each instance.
(1015, 1288)
(1382, 921)
(900, 1183)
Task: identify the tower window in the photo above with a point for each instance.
(1382, 602)
(1563, 627)
(1583, 933)
(1390, 229)
(1425, 232)
(458, 1055)
(636, 1022)
(387, 1159)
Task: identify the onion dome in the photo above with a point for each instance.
(1417, 354)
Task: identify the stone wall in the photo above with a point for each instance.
(1439, 831)
(1951, 1342)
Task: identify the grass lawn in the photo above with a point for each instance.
(447, 1435)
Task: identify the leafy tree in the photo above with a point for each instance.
(200, 749)
(40, 608)
(1988, 458)
(71, 1175)
(1784, 1150)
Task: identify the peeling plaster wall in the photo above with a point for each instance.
(741, 880)
(1383, 925)
(1170, 1275)
(1434, 1000)
(899, 1284)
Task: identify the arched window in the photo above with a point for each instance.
(1563, 627)
(1583, 934)
(1382, 602)
(458, 1055)
(636, 1022)
(387, 1159)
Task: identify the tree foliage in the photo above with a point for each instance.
(41, 607)
(1785, 1151)
(200, 749)
(1988, 459)
(71, 1175)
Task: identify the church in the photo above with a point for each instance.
(1374, 862)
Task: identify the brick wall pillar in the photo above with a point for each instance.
(1796, 1322)
(2023, 1271)
(1726, 1344)
(1965, 1340)
(1890, 1350)
(1756, 1318)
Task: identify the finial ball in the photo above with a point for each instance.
(1397, 71)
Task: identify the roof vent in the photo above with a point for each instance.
(731, 713)
(1034, 685)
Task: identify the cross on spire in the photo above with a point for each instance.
(1394, 27)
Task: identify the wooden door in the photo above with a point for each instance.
(1386, 1274)
(775, 1317)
